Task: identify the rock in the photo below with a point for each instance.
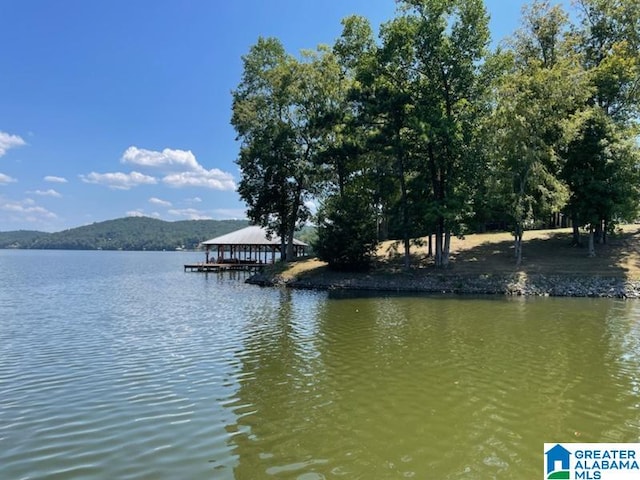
(513, 285)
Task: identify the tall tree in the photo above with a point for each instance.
(602, 172)
(341, 151)
(534, 98)
(609, 39)
(424, 97)
(272, 109)
(347, 217)
(598, 153)
(451, 49)
(391, 106)
(261, 106)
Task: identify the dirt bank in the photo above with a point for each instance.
(484, 264)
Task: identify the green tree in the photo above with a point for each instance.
(598, 154)
(602, 172)
(343, 156)
(609, 40)
(347, 218)
(452, 48)
(390, 106)
(271, 116)
(533, 100)
(347, 234)
(424, 98)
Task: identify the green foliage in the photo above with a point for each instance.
(601, 170)
(261, 116)
(542, 88)
(426, 132)
(277, 112)
(132, 233)
(20, 238)
(425, 97)
(609, 40)
(601, 157)
(347, 234)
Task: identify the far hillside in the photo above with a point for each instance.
(20, 238)
(131, 233)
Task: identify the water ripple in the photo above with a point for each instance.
(119, 373)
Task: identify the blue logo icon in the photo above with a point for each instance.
(558, 463)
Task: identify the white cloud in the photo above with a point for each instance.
(119, 180)
(141, 213)
(194, 200)
(214, 179)
(46, 193)
(181, 168)
(190, 214)
(135, 213)
(54, 179)
(167, 160)
(158, 201)
(4, 179)
(8, 141)
(27, 210)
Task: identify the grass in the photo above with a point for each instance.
(546, 252)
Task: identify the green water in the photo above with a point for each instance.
(126, 367)
(435, 388)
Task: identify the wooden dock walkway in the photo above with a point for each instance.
(222, 267)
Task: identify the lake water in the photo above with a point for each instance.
(119, 365)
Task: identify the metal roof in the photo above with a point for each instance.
(252, 235)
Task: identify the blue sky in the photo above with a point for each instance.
(119, 107)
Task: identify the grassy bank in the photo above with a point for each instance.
(484, 263)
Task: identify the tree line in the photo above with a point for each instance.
(425, 131)
(130, 233)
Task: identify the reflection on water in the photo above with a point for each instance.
(120, 365)
(432, 387)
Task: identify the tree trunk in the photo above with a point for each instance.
(407, 252)
(405, 220)
(447, 248)
(438, 238)
(430, 248)
(576, 241)
(290, 253)
(598, 232)
(518, 244)
(404, 202)
(592, 247)
(436, 184)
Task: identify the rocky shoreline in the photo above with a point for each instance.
(515, 284)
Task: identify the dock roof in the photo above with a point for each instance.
(252, 235)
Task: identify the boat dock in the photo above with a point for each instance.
(249, 249)
(222, 267)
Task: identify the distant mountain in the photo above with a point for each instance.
(131, 233)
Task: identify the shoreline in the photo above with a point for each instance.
(513, 284)
(482, 264)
